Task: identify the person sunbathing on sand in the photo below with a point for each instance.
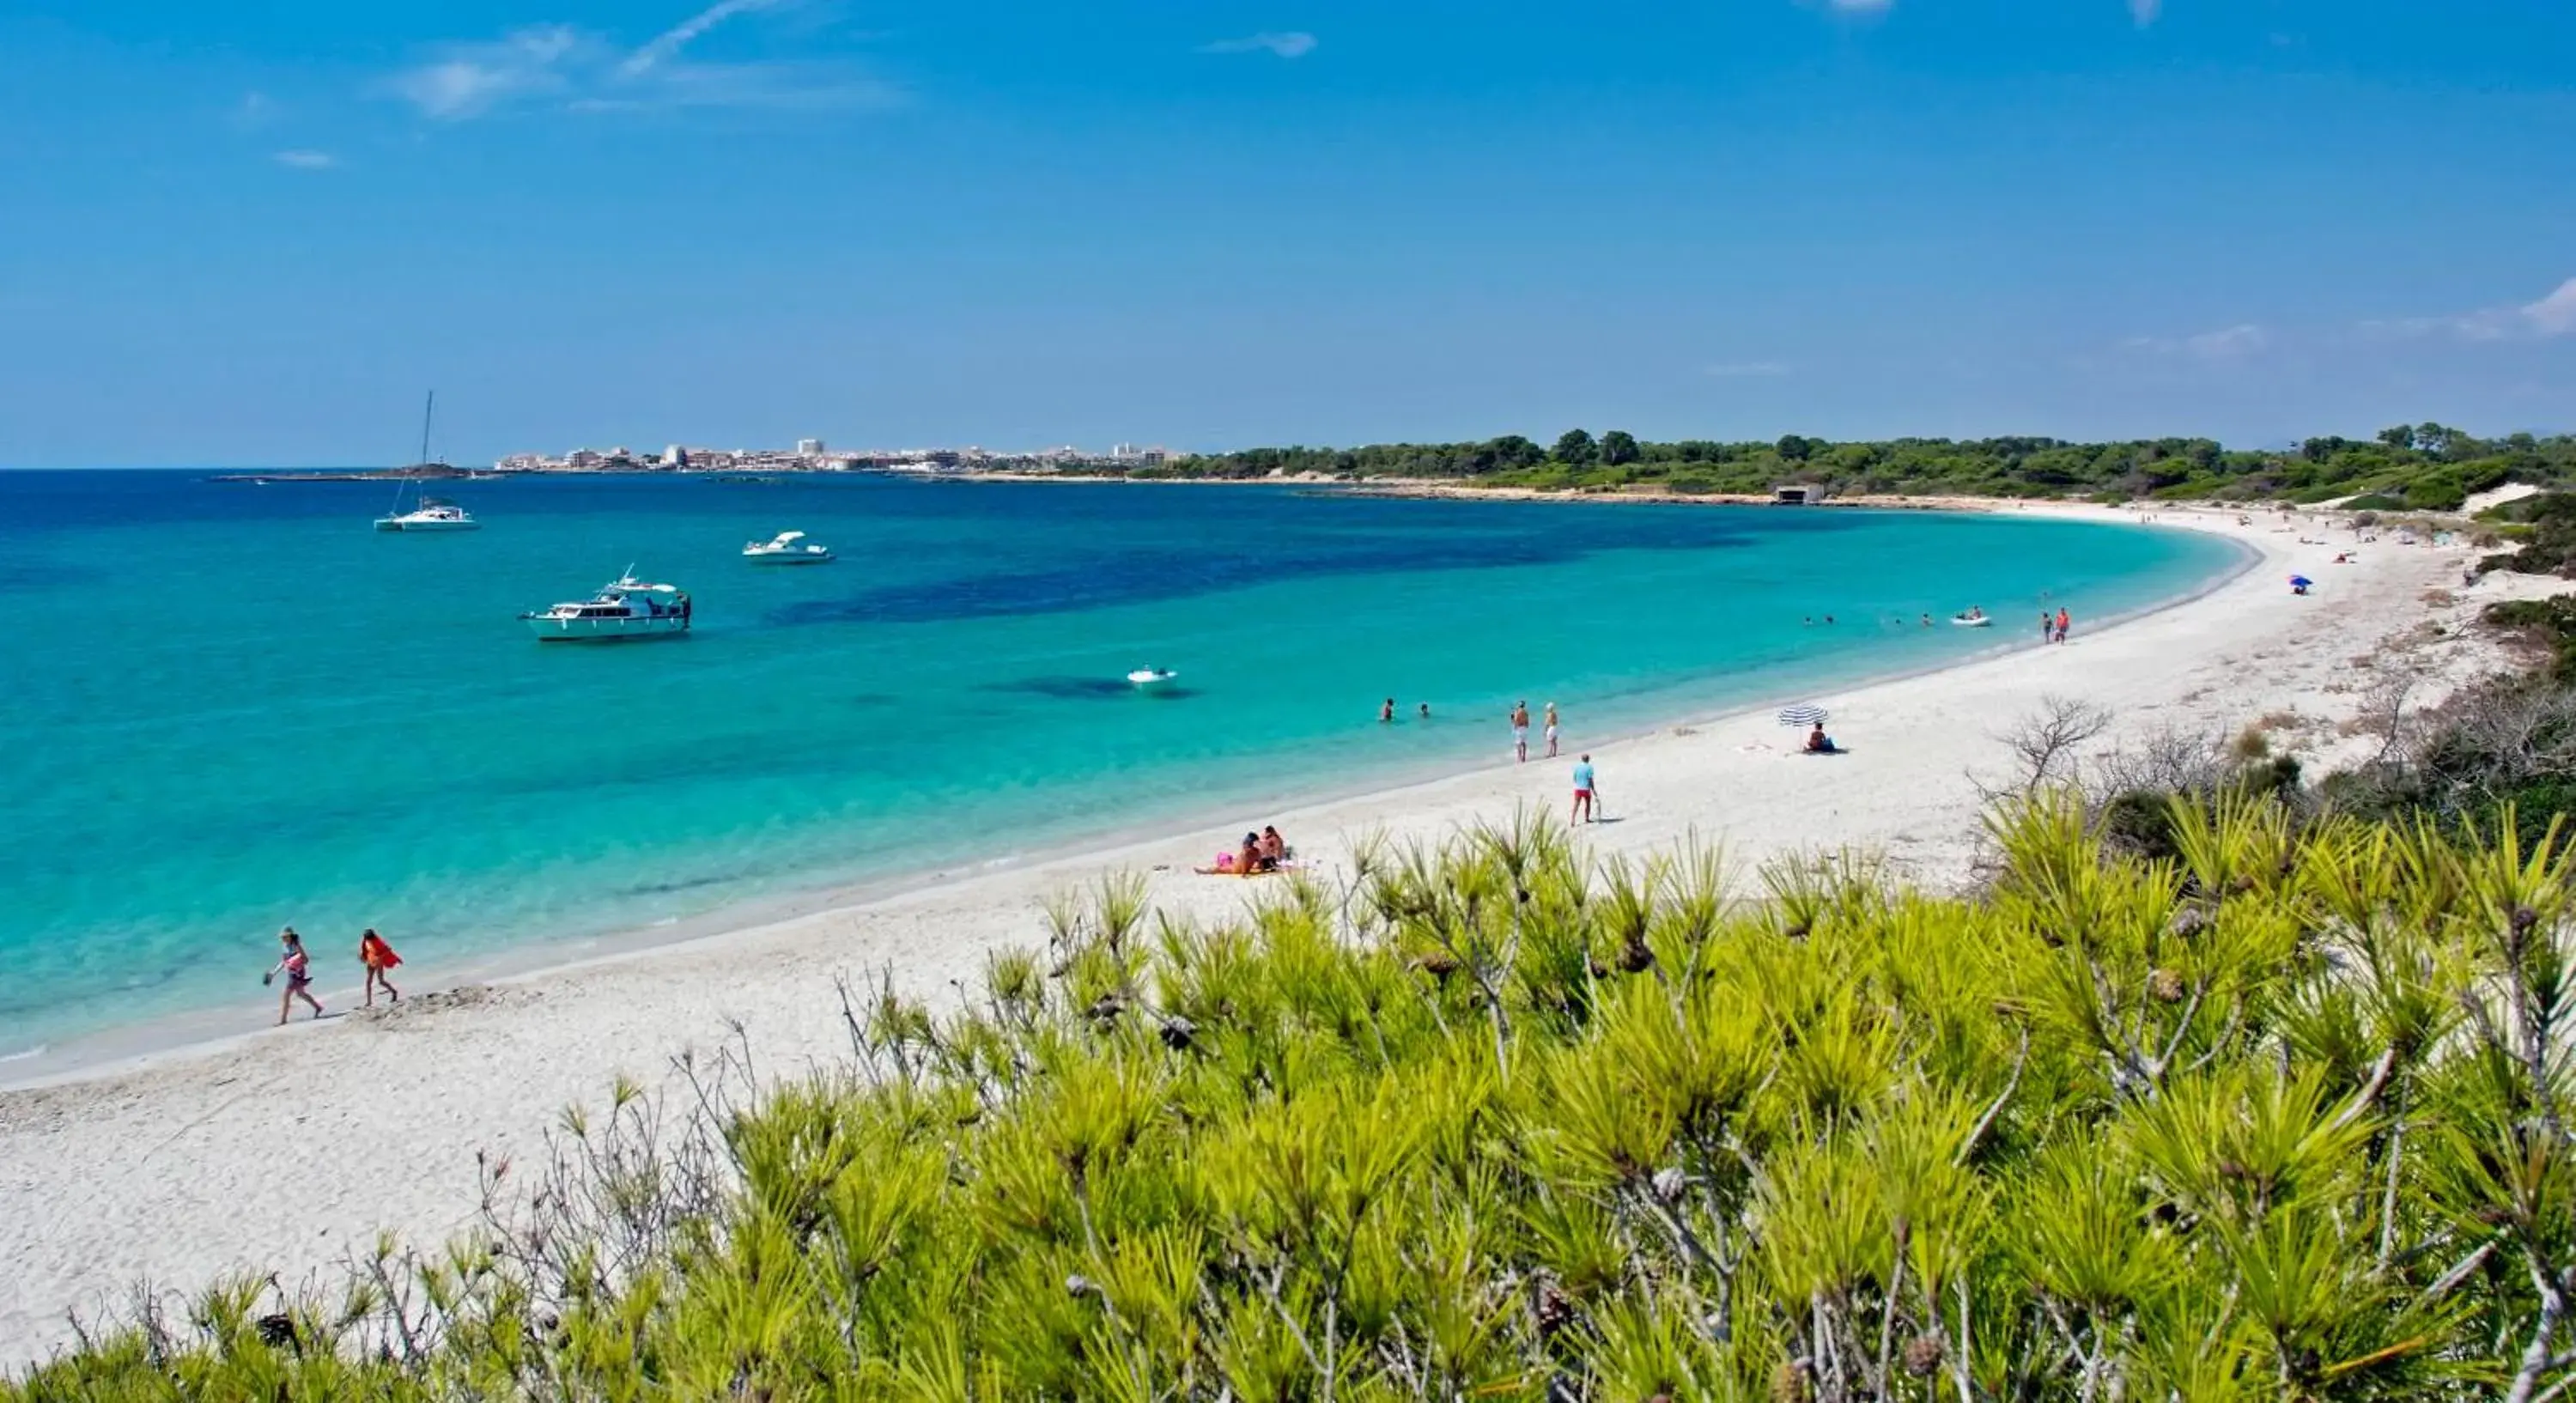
(1244, 861)
(1274, 849)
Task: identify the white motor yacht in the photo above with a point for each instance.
(1151, 676)
(623, 609)
(786, 548)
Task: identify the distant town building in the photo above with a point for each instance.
(809, 448)
(675, 457)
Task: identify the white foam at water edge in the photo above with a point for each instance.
(37, 1051)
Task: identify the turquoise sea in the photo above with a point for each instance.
(229, 707)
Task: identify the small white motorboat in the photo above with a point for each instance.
(786, 548)
(627, 608)
(1972, 619)
(1151, 676)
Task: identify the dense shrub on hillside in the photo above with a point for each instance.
(2284, 1118)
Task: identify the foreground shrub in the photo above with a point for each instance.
(2283, 1117)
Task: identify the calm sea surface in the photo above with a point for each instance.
(229, 707)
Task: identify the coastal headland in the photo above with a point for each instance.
(167, 1169)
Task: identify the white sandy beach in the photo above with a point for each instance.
(285, 1150)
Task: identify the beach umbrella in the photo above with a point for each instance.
(2300, 582)
(1802, 715)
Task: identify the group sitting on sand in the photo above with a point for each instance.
(1260, 852)
(374, 954)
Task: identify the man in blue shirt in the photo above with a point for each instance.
(1584, 788)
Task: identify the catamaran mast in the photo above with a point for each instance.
(426, 411)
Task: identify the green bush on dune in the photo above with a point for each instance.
(2285, 1117)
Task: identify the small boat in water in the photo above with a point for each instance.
(432, 514)
(1151, 676)
(786, 548)
(1974, 618)
(626, 608)
(427, 513)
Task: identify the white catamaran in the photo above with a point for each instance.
(428, 513)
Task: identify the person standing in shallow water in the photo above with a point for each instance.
(2047, 627)
(1387, 712)
(1551, 730)
(298, 969)
(1520, 731)
(2063, 623)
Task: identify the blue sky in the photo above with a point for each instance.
(254, 234)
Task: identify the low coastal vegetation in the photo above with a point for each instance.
(2279, 1112)
(2421, 467)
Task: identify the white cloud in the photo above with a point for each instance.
(584, 72)
(2145, 12)
(2227, 343)
(1291, 43)
(1732, 370)
(306, 160)
(2552, 315)
(472, 79)
(669, 43)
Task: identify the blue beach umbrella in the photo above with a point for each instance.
(2300, 582)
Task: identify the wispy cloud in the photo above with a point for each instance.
(2146, 12)
(1736, 370)
(468, 80)
(2552, 315)
(668, 44)
(2227, 343)
(1291, 43)
(580, 71)
(304, 159)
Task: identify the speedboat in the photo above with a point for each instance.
(432, 514)
(786, 548)
(1151, 676)
(625, 608)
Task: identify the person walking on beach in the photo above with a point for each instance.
(298, 969)
(2063, 623)
(1551, 730)
(380, 959)
(1520, 731)
(1585, 788)
(2047, 628)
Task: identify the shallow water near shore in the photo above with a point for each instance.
(233, 707)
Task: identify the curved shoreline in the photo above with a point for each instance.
(290, 1149)
(124, 1048)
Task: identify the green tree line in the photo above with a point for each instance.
(2426, 467)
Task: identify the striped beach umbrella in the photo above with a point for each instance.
(1802, 715)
